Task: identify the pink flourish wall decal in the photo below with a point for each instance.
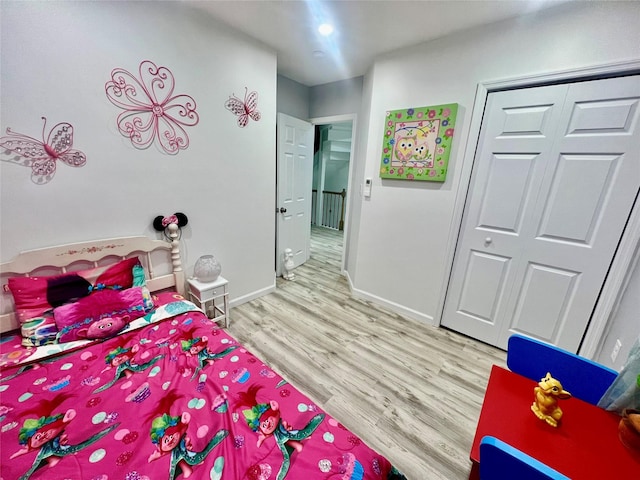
(42, 156)
(244, 109)
(152, 113)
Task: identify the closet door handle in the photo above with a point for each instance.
(282, 210)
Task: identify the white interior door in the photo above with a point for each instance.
(294, 183)
(556, 174)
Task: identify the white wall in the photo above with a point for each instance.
(56, 59)
(355, 200)
(336, 176)
(293, 98)
(335, 98)
(398, 254)
(624, 324)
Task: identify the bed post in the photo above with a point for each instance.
(176, 261)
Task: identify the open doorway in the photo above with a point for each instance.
(332, 166)
(331, 160)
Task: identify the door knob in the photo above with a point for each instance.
(283, 210)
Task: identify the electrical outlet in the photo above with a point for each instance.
(616, 350)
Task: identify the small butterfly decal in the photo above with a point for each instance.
(41, 156)
(244, 110)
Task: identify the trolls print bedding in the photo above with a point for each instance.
(178, 398)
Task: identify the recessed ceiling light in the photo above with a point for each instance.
(325, 29)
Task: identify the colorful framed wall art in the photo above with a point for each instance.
(417, 143)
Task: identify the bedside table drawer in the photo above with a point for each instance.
(204, 291)
(207, 293)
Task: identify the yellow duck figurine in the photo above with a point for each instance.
(547, 394)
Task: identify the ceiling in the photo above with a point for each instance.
(364, 29)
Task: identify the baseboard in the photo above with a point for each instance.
(394, 307)
(360, 294)
(345, 274)
(252, 296)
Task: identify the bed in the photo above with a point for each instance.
(157, 391)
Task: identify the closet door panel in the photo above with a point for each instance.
(555, 177)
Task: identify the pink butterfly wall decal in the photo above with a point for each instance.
(42, 156)
(151, 112)
(244, 109)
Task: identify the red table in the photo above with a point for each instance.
(584, 446)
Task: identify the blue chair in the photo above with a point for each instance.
(500, 461)
(583, 378)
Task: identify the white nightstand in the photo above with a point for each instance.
(212, 297)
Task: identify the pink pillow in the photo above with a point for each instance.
(33, 296)
(119, 274)
(166, 297)
(111, 309)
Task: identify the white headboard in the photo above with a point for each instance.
(97, 254)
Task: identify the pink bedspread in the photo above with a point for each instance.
(176, 399)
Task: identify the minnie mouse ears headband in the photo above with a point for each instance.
(161, 223)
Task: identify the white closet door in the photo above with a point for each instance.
(555, 178)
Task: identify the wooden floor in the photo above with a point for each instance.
(410, 391)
